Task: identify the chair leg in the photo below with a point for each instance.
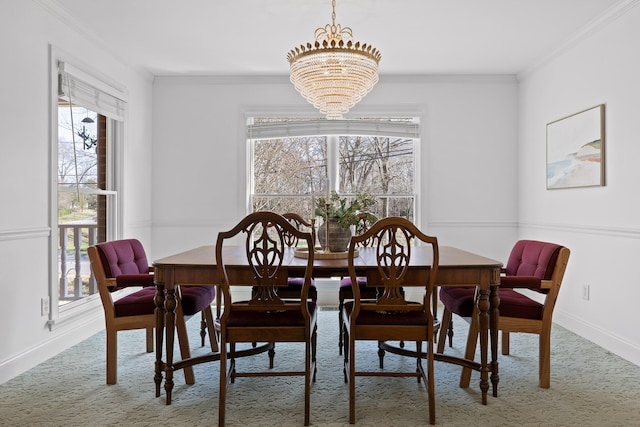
(505, 343)
(222, 392)
(272, 354)
(352, 377)
(203, 328)
(544, 373)
(149, 340)
(345, 336)
(381, 354)
(340, 320)
(314, 349)
(470, 352)
(183, 341)
(444, 326)
(211, 327)
(430, 384)
(308, 356)
(112, 356)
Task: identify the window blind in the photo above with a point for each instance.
(398, 128)
(83, 90)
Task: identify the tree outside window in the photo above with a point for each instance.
(290, 173)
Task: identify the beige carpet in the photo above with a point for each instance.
(589, 387)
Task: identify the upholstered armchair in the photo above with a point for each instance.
(121, 264)
(529, 289)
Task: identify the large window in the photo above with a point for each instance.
(90, 121)
(296, 161)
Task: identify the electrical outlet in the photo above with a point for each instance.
(585, 292)
(44, 306)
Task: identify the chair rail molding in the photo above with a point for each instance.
(603, 230)
(473, 224)
(24, 233)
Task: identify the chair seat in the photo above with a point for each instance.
(365, 292)
(136, 304)
(370, 317)
(514, 304)
(271, 318)
(346, 282)
(196, 298)
(294, 285)
(460, 300)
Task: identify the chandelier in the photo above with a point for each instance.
(334, 73)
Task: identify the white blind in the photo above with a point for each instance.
(80, 89)
(369, 127)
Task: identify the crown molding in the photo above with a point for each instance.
(606, 18)
(53, 8)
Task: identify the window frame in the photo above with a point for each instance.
(333, 154)
(115, 135)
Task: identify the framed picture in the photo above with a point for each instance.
(575, 150)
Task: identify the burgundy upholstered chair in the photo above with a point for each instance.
(533, 265)
(123, 264)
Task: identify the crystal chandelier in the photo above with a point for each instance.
(334, 74)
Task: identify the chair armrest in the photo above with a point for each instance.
(529, 282)
(125, 280)
(546, 284)
(111, 283)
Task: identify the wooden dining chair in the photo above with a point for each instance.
(292, 290)
(266, 316)
(533, 266)
(121, 264)
(390, 317)
(345, 291)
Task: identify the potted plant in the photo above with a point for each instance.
(343, 214)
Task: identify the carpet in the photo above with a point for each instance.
(589, 387)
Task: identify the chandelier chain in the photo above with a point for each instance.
(333, 12)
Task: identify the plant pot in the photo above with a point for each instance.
(339, 237)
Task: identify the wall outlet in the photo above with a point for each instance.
(44, 306)
(585, 292)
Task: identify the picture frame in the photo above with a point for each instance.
(575, 150)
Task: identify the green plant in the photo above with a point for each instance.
(348, 212)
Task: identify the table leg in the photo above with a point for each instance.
(483, 307)
(170, 328)
(159, 314)
(494, 300)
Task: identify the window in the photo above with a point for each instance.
(90, 119)
(295, 161)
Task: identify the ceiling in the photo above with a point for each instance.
(253, 37)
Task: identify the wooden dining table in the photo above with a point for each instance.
(197, 267)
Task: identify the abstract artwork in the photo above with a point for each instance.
(575, 150)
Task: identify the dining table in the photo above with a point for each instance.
(197, 267)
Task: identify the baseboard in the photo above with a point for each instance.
(60, 341)
(594, 333)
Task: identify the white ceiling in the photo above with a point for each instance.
(253, 37)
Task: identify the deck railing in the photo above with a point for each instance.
(76, 277)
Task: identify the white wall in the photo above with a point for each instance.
(482, 157)
(601, 225)
(467, 154)
(26, 32)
